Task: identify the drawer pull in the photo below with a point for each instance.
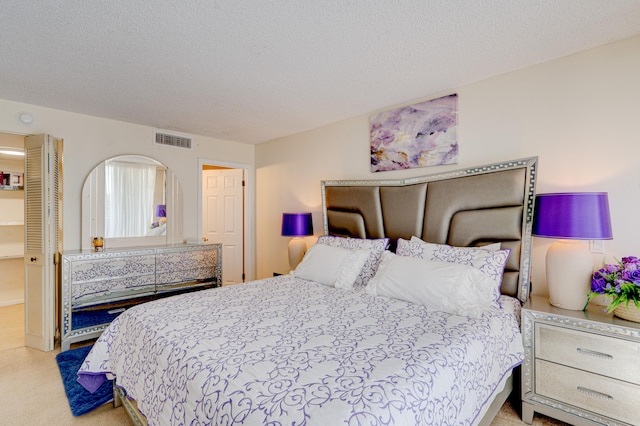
(594, 353)
(594, 393)
(116, 311)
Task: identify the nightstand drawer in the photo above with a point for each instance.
(605, 396)
(607, 356)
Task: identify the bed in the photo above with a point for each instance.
(349, 337)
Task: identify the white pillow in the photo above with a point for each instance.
(449, 287)
(375, 246)
(491, 262)
(333, 266)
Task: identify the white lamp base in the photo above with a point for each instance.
(569, 271)
(297, 249)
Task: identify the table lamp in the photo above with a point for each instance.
(161, 210)
(296, 225)
(569, 217)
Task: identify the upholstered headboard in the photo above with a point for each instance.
(469, 207)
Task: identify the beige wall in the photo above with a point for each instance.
(578, 114)
(90, 140)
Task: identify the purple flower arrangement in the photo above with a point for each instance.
(619, 282)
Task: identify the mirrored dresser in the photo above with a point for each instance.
(581, 367)
(97, 286)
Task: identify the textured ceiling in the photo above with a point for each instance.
(253, 70)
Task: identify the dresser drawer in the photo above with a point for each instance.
(103, 291)
(607, 356)
(171, 260)
(186, 266)
(602, 395)
(111, 267)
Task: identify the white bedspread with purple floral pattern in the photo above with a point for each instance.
(289, 351)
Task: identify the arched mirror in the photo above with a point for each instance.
(131, 200)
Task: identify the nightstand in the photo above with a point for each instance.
(580, 367)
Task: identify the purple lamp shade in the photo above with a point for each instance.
(161, 210)
(296, 224)
(573, 215)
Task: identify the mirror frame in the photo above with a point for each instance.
(93, 210)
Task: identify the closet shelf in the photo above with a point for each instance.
(15, 256)
(11, 187)
(12, 223)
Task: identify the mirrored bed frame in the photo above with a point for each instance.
(476, 206)
(469, 207)
(463, 208)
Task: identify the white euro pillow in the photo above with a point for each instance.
(442, 286)
(332, 266)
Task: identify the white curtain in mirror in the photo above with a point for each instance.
(129, 195)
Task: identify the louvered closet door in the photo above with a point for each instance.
(43, 224)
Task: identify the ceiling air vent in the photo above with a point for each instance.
(173, 140)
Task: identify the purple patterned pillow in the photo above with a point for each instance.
(491, 262)
(377, 247)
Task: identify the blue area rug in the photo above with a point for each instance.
(81, 400)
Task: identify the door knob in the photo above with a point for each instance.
(33, 259)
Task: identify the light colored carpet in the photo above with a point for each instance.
(11, 326)
(33, 394)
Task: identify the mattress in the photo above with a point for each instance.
(290, 351)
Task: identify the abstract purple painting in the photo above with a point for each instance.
(419, 135)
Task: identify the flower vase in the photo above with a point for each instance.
(629, 312)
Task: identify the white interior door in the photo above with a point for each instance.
(222, 217)
(42, 243)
